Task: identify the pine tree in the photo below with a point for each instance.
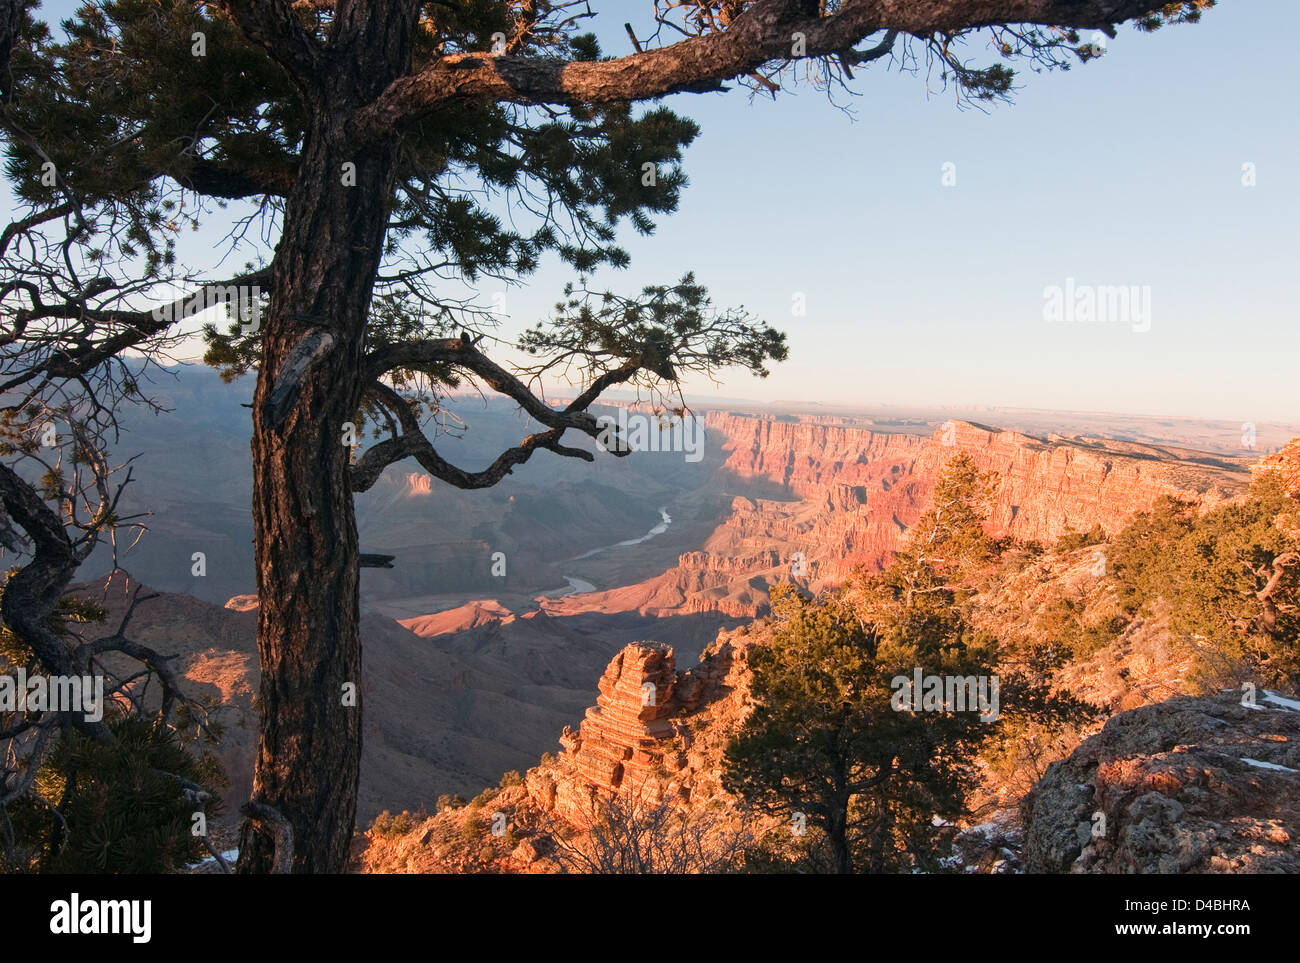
(827, 738)
(841, 738)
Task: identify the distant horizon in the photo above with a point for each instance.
(1040, 423)
(556, 393)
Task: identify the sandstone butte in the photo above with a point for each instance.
(643, 735)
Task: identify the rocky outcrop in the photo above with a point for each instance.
(1191, 785)
(619, 741)
(655, 734)
(471, 615)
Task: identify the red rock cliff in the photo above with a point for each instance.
(823, 498)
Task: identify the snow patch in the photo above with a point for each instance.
(1290, 705)
(1267, 765)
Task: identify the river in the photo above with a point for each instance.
(578, 585)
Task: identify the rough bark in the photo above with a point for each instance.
(837, 833)
(308, 761)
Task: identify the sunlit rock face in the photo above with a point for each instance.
(419, 483)
(1190, 785)
(655, 734)
(822, 499)
(1284, 463)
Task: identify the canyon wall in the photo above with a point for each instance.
(818, 500)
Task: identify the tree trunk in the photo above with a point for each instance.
(837, 831)
(309, 751)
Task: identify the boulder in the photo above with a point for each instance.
(1190, 785)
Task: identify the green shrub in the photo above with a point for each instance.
(124, 813)
(1071, 540)
(471, 830)
(1209, 571)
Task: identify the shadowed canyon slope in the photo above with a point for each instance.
(442, 715)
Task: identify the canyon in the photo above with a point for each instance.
(812, 502)
(1185, 784)
(470, 675)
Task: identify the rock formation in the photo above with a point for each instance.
(644, 750)
(643, 738)
(618, 744)
(1191, 785)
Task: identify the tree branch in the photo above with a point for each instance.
(412, 443)
(763, 33)
(457, 351)
(272, 24)
(138, 326)
(267, 819)
(216, 180)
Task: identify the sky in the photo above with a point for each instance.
(1123, 173)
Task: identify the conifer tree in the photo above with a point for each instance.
(855, 730)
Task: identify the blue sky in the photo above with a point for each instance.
(1126, 170)
(1123, 171)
